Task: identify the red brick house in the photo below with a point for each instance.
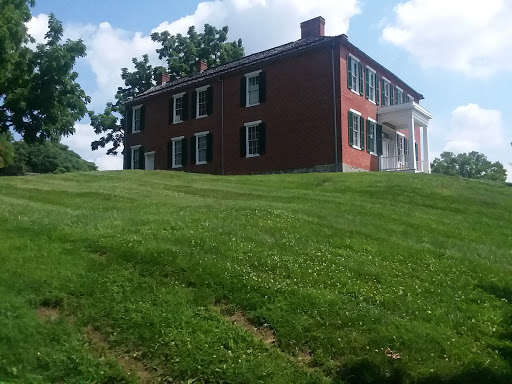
(316, 104)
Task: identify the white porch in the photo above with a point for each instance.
(399, 146)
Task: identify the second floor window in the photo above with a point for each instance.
(178, 108)
(137, 118)
(399, 96)
(202, 102)
(370, 84)
(253, 89)
(386, 93)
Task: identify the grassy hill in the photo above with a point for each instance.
(145, 277)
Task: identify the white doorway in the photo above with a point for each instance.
(149, 161)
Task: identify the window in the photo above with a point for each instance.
(355, 129)
(253, 88)
(178, 108)
(202, 102)
(137, 118)
(253, 138)
(386, 92)
(370, 84)
(399, 96)
(409, 98)
(371, 139)
(136, 151)
(201, 148)
(355, 75)
(177, 152)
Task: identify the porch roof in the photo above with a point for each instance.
(399, 116)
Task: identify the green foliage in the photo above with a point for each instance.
(46, 157)
(6, 150)
(39, 97)
(182, 54)
(473, 165)
(108, 123)
(339, 270)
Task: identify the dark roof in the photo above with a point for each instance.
(256, 58)
(246, 61)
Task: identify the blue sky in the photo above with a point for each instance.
(457, 53)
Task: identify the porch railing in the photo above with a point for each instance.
(394, 163)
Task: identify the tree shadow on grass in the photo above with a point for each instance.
(367, 372)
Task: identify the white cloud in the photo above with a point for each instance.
(264, 24)
(80, 142)
(469, 36)
(38, 26)
(473, 128)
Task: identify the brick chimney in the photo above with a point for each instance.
(313, 27)
(162, 78)
(202, 66)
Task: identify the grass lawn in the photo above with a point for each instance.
(168, 277)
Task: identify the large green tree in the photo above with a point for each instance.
(45, 157)
(181, 53)
(6, 150)
(473, 165)
(39, 96)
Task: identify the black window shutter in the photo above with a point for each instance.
(351, 128)
(368, 137)
(243, 148)
(169, 155)
(142, 158)
(349, 72)
(184, 151)
(243, 91)
(383, 91)
(127, 158)
(367, 82)
(209, 101)
(262, 134)
(406, 148)
(416, 150)
(185, 108)
(392, 95)
(171, 110)
(377, 92)
(362, 135)
(379, 139)
(263, 87)
(209, 148)
(142, 117)
(361, 80)
(193, 150)
(129, 120)
(194, 105)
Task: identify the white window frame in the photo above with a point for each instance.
(145, 159)
(247, 126)
(387, 97)
(199, 90)
(374, 122)
(132, 157)
(374, 86)
(136, 108)
(249, 76)
(197, 136)
(358, 136)
(400, 100)
(173, 154)
(356, 66)
(175, 119)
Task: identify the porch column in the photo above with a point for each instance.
(412, 146)
(426, 161)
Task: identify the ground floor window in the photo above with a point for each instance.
(177, 153)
